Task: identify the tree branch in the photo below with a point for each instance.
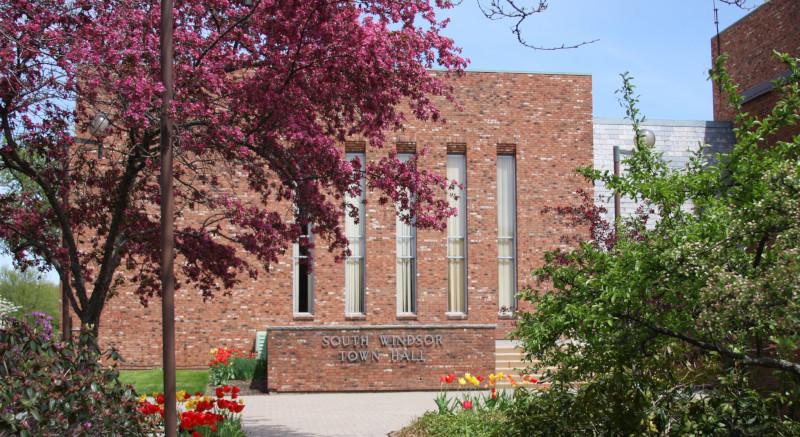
(762, 361)
(501, 9)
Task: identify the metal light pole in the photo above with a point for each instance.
(167, 222)
(649, 139)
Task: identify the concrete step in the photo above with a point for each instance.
(508, 359)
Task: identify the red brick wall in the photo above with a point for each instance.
(376, 357)
(547, 116)
(750, 43)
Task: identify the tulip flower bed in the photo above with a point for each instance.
(200, 415)
(472, 405)
(475, 392)
(232, 363)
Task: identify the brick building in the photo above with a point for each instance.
(750, 43)
(409, 305)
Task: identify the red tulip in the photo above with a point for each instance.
(187, 422)
(467, 405)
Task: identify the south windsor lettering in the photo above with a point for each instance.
(360, 348)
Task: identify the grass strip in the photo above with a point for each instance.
(152, 381)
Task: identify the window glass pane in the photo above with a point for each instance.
(456, 237)
(303, 280)
(505, 248)
(506, 286)
(356, 245)
(405, 285)
(355, 230)
(354, 268)
(455, 247)
(406, 260)
(404, 247)
(506, 232)
(455, 285)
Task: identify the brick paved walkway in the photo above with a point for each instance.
(333, 414)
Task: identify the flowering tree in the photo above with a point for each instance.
(668, 324)
(264, 94)
(6, 307)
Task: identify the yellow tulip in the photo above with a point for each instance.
(461, 381)
(491, 376)
(142, 399)
(500, 375)
(467, 376)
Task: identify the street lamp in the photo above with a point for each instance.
(648, 138)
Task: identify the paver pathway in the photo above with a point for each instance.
(333, 414)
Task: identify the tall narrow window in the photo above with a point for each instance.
(354, 229)
(406, 261)
(456, 238)
(303, 277)
(506, 232)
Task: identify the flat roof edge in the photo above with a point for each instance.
(541, 73)
(666, 123)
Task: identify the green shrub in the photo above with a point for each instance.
(463, 423)
(53, 388)
(627, 404)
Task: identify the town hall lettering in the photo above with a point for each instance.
(365, 348)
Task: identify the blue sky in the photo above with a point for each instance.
(664, 44)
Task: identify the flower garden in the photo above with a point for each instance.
(69, 388)
(477, 392)
(199, 415)
(72, 388)
(477, 406)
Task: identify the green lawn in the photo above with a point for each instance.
(150, 381)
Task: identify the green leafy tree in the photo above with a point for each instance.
(29, 292)
(691, 323)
